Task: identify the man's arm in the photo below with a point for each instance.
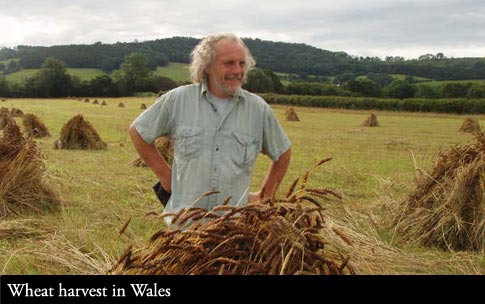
(273, 178)
(149, 154)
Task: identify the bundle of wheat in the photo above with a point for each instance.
(470, 125)
(16, 112)
(4, 110)
(5, 119)
(371, 121)
(291, 115)
(447, 209)
(3, 100)
(78, 133)
(95, 101)
(143, 106)
(22, 176)
(86, 100)
(164, 147)
(279, 236)
(34, 126)
(121, 105)
(104, 103)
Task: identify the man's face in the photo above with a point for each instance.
(226, 73)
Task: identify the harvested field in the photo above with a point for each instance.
(372, 168)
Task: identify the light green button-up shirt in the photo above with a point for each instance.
(212, 152)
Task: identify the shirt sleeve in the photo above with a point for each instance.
(155, 121)
(275, 141)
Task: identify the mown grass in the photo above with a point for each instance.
(371, 168)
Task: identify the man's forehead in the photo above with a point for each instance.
(228, 47)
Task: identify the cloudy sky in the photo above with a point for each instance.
(407, 28)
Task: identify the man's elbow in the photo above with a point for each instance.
(286, 156)
(133, 132)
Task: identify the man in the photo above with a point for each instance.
(218, 130)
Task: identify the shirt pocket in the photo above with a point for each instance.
(246, 149)
(187, 142)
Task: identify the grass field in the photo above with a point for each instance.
(402, 77)
(83, 74)
(372, 168)
(176, 71)
(437, 83)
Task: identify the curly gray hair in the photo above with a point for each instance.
(204, 54)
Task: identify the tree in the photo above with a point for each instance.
(364, 87)
(134, 73)
(343, 78)
(258, 82)
(454, 90)
(277, 85)
(401, 89)
(12, 66)
(476, 91)
(53, 80)
(383, 80)
(102, 85)
(426, 57)
(427, 91)
(4, 87)
(160, 83)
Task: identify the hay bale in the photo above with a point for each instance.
(291, 115)
(371, 121)
(4, 100)
(16, 112)
(143, 106)
(121, 105)
(279, 236)
(95, 101)
(23, 187)
(78, 133)
(86, 100)
(104, 103)
(35, 127)
(164, 147)
(447, 208)
(4, 110)
(470, 125)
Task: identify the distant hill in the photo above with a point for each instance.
(295, 58)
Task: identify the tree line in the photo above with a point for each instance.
(134, 75)
(299, 59)
(53, 80)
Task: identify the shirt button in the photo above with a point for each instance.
(217, 149)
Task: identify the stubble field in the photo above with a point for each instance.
(372, 168)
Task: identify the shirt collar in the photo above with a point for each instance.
(204, 89)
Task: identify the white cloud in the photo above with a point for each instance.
(373, 27)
